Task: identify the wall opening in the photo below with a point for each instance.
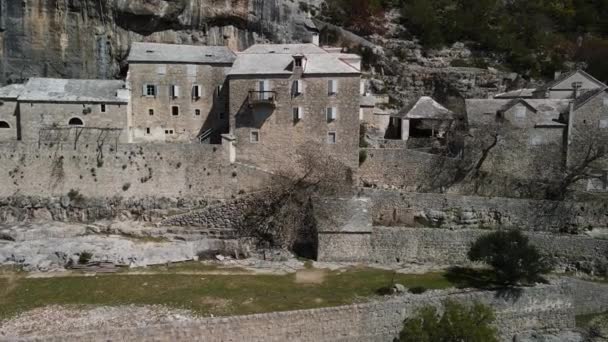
(75, 122)
(4, 124)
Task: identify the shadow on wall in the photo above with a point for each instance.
(254, 117)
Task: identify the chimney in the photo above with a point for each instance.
(577, 88)
(557, 75)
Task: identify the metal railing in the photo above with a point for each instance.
(262, 97)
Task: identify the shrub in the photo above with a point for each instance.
(362, 156)
(511, 256)
(457, 323)
(85, 257)
(418, 290)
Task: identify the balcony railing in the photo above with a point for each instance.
(257, 97)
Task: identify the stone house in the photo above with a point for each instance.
(568, 86)
(587, 137)
(47, 110)
(286, 96)
(178, 92)
(530, 138)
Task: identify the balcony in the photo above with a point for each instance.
(262, 98)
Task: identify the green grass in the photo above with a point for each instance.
(204, 293)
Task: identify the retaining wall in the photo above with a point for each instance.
(394, 208)
(541, 308)
(126, 170)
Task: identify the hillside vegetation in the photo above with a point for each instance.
(532, 37)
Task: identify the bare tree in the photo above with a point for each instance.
(281, 217)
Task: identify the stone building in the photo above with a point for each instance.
(587, 137)
(9, 112)
(568, 86)
(529, 136)
(178, 92)
(47, 110)
(424, 119)
(286, 96)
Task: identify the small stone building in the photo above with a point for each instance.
(48, 110)
(423, 120)
(178, 92)
(9, 112)
(286, 96)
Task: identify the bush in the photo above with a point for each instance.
(457, 323)
(362, 156)
(85, 257)
(511, 256)
(418, 290)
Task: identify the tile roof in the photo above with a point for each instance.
(11, 91)
(277, 59)
(426, 108)
(484, 111)
(177, 53)
(586, 96)
(289, 49)
(566, 76)
(517, 93)
(65, 90)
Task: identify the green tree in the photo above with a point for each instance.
(457, 323)
(511, 256)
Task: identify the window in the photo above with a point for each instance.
(218, 90)
(103, 108)
(254, 137)
(149, 90)
(150, 112)
(298, 87)
(520, 113)
(298, 62)
(148, 130)
(75, 122)
(603, 123)
(196, 91)
(332, 87)
(264, 89)
(298, 114)
(331, 137)
(174, 91)
(4, 124)
(222, 116)
(331, 113)
(161, 69)
(169, 131)
(174, 110)
(361, 114)
(197, 112)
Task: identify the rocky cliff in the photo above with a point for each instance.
(90, 38)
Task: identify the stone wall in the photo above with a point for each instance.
(588, 297)
(450, 247)
(541, 308)
(405, 169)
(123, 171)
(394, 208)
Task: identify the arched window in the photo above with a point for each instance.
(4, 124)
(75, 122)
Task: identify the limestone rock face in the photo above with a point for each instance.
(91, 38)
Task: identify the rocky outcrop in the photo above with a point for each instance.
(91, 38)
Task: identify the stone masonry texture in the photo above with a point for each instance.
(547, 307)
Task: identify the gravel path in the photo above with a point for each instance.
(52, 319)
